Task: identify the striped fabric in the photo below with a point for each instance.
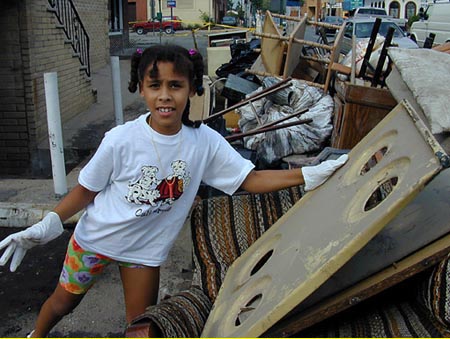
(435, 292)
(224, 227)
(183, 315)
(407, 319)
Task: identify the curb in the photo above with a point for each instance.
(27, 214)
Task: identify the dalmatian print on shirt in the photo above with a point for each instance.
(157, 192)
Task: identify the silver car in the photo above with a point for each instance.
(362, 28)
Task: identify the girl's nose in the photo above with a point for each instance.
(164, 93)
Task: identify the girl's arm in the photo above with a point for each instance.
(77, 199)
(272, 180)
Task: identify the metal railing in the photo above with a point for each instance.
(70, 22)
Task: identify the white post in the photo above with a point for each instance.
(117, 94)
(55, 133)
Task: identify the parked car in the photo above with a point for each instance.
(436, 20)
(377, 13)
(169, 25)
(229, 21)
(362, 28)
(331, 19)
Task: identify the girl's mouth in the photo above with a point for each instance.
(164, 111)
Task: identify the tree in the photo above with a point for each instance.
(263, 5)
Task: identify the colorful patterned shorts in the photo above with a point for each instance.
(82, 268)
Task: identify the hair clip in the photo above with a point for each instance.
(139, 50)
(192, 52)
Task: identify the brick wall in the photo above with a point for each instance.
(35, 46)
(14, 137)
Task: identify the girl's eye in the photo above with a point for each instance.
(153, 85)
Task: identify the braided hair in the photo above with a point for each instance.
(188, 63)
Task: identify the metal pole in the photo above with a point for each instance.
(55, 133)
(117, 94)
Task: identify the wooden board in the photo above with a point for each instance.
(200, 105)
(334, 56)
(306, 246)
(400, 271)
(294, 49)
(425, 219)
(272, 50)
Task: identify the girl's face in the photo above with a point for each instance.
(166, 97)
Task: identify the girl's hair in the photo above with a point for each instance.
(188, 63)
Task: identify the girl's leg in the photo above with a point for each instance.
(140, 286)
(57, 306)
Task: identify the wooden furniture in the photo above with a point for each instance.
(358, 109)
(280, 55)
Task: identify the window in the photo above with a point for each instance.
(394, 9)
(115, 16)
(410, 9)
(364, 29)
(348, 30)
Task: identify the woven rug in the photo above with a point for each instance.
(224, 227)
(396, 320)
(183, 315)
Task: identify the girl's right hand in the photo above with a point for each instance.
(41, 233)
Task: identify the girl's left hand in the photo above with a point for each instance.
(315, 176)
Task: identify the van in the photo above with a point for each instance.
(435, 20)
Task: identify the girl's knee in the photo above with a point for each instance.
(63, 302)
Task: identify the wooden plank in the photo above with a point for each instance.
(305, 248)
(341, 68)
(398, 272)
(272, 50)
(294, 49)
(200, 106)
(334, 56)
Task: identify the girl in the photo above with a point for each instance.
(139, 187)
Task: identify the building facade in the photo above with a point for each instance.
(398, 8)
(35, 43)
(190, 11)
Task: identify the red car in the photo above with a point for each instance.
(169, 25)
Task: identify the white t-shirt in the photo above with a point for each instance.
(129, 219)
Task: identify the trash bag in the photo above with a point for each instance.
(271, 147)
(243, 56)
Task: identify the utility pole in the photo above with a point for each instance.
(159, 16)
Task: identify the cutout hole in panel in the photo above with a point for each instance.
(381, 193)
(373, 160)
(245, 311)
(261, 262)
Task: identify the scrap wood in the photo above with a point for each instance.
(272, 49)
(398, 272)
(303, 256)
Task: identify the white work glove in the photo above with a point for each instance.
(18, 243)
(316, 175)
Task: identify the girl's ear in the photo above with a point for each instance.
(192, 92)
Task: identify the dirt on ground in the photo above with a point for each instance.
(100, 314)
